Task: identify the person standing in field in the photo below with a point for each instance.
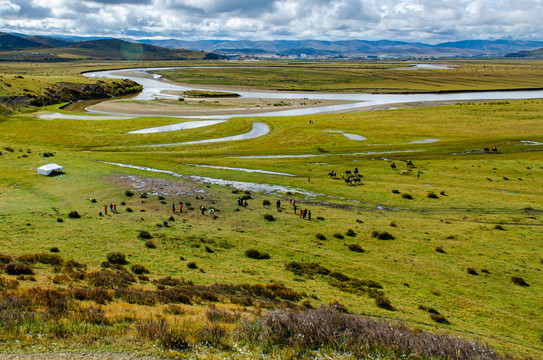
(173, 208)
(180, 207)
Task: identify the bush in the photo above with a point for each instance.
(266, 203)
(255, 254)
(129, 210)
(150, 244)
(519, 281)
(54, 249)
(440, 319)
(384, 235)
(129, 193)
(350, 233)
(320, 236)
(16, 268)
(407, 196)
(383, 302)
(144, 235)
(431, 195)
(74, 215)
(355, 248)
(499, 227)
(471, 271)
(269, 217)
(116, 258)
(395, 191)
(60, 220)
(338, 236)
(192, 265)
(139, 269)
(439, 249)
(320, 218)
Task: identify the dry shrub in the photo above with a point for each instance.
(150, 244)
(108, 279)
(339, 236)
(472, 271)
(152, 328)
(169, 281)
(214, 315)
(328, 328)
(174, 310)
(8, 284)
(382, 235)
(212, 335)
(44, 258)
(350, 233)
(92, 315)
(136, 296)
(98, 295)
(5, 259)
(407, 196)
(306, 269)
(269, 217)
(192, 265)
(439, 249)
(175, 338)
(16, 268)
(383, 302)
(54, 249)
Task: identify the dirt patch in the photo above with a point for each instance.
(154, 186)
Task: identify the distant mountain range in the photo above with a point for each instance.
(66, 47)
(41, 48)
(356, 48)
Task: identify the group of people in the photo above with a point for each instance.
(180, 207)
(303, 213)
(112, 208)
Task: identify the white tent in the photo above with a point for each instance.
(50, 169)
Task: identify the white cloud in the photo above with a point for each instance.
(407, 20)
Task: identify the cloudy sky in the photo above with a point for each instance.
(429, 21)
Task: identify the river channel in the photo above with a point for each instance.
(154, 87)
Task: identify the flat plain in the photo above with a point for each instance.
(448, 245)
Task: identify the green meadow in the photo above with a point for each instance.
(450, 246)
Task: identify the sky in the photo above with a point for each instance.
(427, 21)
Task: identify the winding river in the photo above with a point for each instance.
(154, 87)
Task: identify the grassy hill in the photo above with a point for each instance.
(46, 49)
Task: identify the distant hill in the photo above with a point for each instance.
(12, 42)
(38, 48)
(538, 53)
(49, 41)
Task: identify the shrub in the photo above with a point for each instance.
(355, 248)
(144, 235)
(383, 302)
(152, 329)
(139, 269)
(339, 236)
(519, 281)
(320, 218)
(174, 338)
(129, 210)
(150, 244)
(393, 224)
(320, 236)
(407, 196)
(499, 227)
(266, 203)
(54, 249)
(129, 193)
(16, 268)
(471, 271)
(209, 250)
(269, 217)
(74, 215)
(432, 195)
(60, 220)
(192, 265)
(439, 249)
(255, 254)
(384, 235)
(350, 233)
(5, 259)
(116, 258)
(395, 191)
(440, 319)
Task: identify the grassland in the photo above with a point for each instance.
(370, 77)
(485, 218)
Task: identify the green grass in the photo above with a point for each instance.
(481, 190)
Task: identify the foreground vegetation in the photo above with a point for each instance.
(395, 266)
